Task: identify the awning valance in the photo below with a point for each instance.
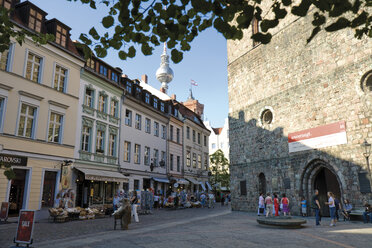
(209, 186)
(103, 175)
(193, 180)
(161, 180)
(182, 181)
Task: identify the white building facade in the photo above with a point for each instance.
(219, 138)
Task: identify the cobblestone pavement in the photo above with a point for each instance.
(193, 228)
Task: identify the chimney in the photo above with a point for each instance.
(144, 78)
(173, 96)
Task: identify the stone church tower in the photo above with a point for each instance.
(298, 114)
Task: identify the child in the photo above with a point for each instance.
(303, 207)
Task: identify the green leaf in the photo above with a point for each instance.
(94, 34)
(107, 21)
(122, 55)
(131, 52)
(176, 56)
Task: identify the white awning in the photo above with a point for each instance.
(182, 181)
(161, 180)
(103, 175)
(193, 180)
(203, 186)
(209, 186)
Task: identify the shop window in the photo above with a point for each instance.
(27, 121)
(97, 194)
(156, 129)
(127, 151)
(100, 142)
(112, 145)
(34, 20)
(194, 160)
(137, 154)
(109, 189)
(171, 162)
(128, 117)
(60, 78)
(5, 58)
(138, 122)
(188, 158)
(85, 139)
(33, 67)
(61, 35)
(89, 97)
(55, 128)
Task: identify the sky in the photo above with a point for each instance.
(205, 63)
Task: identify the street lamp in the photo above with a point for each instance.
(366, 154)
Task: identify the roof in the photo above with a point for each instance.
(155, 92)
(192, 116)
(217, 130)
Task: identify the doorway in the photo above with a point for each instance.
(261, 183)
(17, 191)
(50, 178)
(325, 180)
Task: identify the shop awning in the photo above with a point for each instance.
(161, 180)
(182, 181)
(209, 186)
(193, 180)
(103, 175)
(203, 186)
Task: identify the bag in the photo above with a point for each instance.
(262, 210)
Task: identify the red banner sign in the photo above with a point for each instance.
(25, 227)
(4, 210)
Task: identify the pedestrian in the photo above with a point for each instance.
(261, 205)
(303, 207)
(332, 208)
(211, 200)
(222, 199)
(285, 203)
(315, 205)
(367, 213)
(269, 205)
(338, 208)
(276, 205)
(202, 199)
(116, 202)
(134, 203)
(227, 200)
(347, 209)
(156, 201)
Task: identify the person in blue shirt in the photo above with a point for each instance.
(303, 207)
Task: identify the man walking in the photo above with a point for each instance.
(316, 206)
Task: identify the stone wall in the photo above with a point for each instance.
(305, 86)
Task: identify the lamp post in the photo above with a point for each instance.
(366, 154)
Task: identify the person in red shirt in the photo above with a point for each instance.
(276, 205)
(285, 203)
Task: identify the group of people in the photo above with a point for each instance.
(272, 205)
(133, 200)
(67, 201)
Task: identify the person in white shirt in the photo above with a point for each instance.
(332, 208)
(261, 205)
(156, 201)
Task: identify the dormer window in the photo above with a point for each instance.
(129, 88)
(90, 63)
(138, 92)
(34, 20)
(61, 35)
(6, 4)
(162, 107)
(103, 70)
(114, 77)
(147, 98)
(155, 103)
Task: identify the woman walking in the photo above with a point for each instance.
(332, 208)
(285, 203)
(261, 205)
(269, 205)
(134, 202)
(276, 205)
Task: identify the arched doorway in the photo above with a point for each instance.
(262, 183)
(319, 175)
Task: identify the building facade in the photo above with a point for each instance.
(219, 138)
(39, 96)
(298, 114)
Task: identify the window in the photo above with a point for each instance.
(199, 138)
(100, 142)
(178, 135)
(114, 108)
(213, 145)
(128, 117)
(206, 156)
(27, 121)
(147, 125)
(162, 107)
(188, 132)
(91, 63)
(205, 140)
(5, 59)
(138, 92)
(163, 157)
(102, 102)
(2, 110)
(85, 139)
(138, 122)
(156, 129)
(89, 94)
(55, 127)
(127, 151)
(147, 98)
(60, 78)
(112, 145)
(61, 36)
(114, 77)
(163, 132)
(171, 162)
(129, 88)
(34, 21)
(199, 161)
(193, 136)
(266, 116)
(103, 70)
(33, 68)
(188, 158)
(171, 133)
(147, 155)
(176, 112)
(137, 154)
(243, 187)
(178, 163)
(155, 103)
(136, 184)
(156, 157)
(194, 160)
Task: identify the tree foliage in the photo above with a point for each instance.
(219, 168)
(8, 171)
(148, 23)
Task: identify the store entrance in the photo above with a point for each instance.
(17, 192)
(49, 187)
(146, 184)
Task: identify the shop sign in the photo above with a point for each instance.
(175, 185)
(25, 227)
(318, 137)
(102, 178)
(13, 160)
(4, 210)
(66, 177)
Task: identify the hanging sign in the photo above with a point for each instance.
(4, 211)
(25, 227)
